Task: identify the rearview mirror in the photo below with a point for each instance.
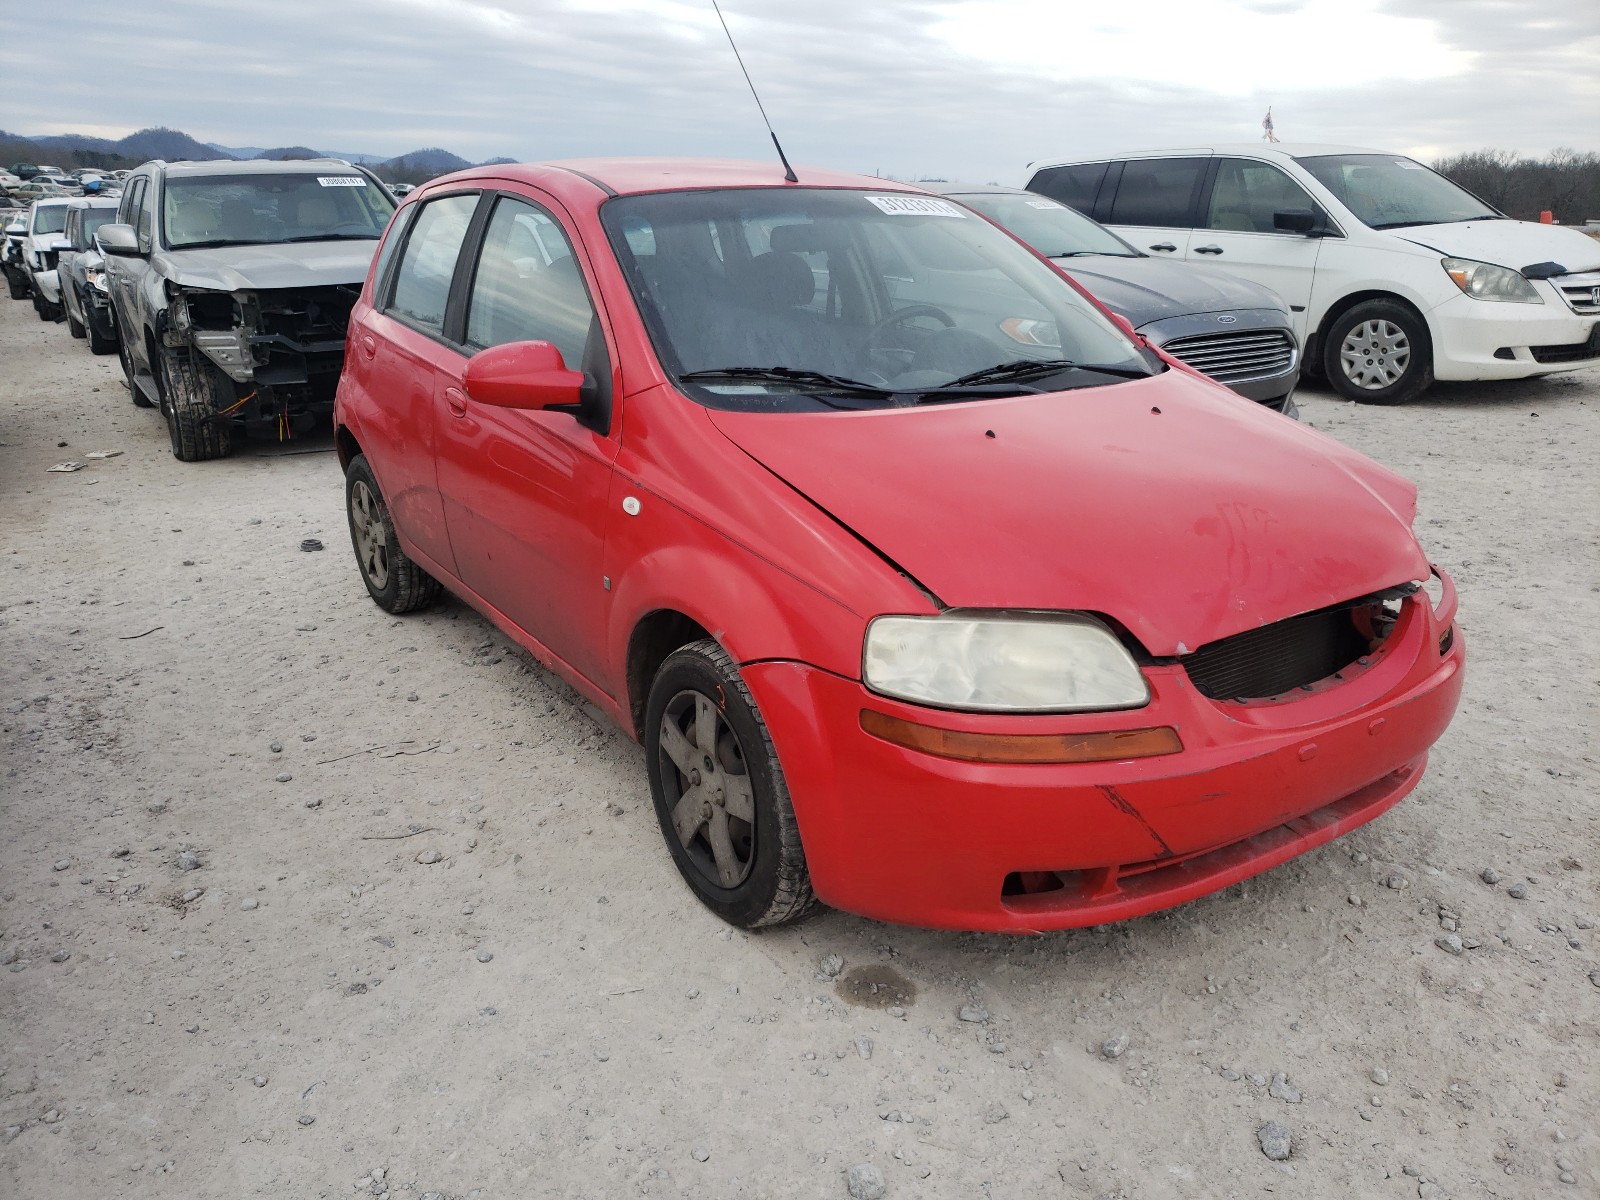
(518, 375)
(117, 239)
(1295, 220)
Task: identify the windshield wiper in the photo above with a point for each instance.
(215, 242)
(795, 377)
(333, 237)
(1033, 368)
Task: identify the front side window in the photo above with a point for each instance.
(1157, 191)
(527, 286)
(798, 298)
(1385, 191)
(147, 218)
(1247, 195)
(128, 210)
(428, 263)
(222, 210)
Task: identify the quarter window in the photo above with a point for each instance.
(1246, 194)
(1157, 191)
(1073, 186)
(528, 287)
(428, 263)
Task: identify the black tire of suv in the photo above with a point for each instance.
(1414, 379)
(776, 889)
(99, 343)
(17, 286)
(188, 394)
(74, 326)
(47, 312)
(406, 587)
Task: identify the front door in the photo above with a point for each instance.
(1238, 232)
(525, 490)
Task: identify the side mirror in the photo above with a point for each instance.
(1295, 220)
(118, 239)
(517, 375)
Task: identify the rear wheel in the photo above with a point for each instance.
(1378, 352)
(74, 326)
(719, 791)
(187, 398)
(393, 580)
(129, 379)
(16, 284)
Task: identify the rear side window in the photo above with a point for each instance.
(1074, 186)
(1247, 194)
(1157, 191)
(428, 263)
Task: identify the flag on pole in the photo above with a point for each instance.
(1266, 127)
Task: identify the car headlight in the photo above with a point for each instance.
(97, 278)
(1486, 281)
(1002, 662)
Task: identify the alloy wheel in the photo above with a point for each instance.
(372, 542)
(1374, 354)
(709, 791)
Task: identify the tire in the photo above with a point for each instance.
(395, 583)
(99, 343)
(747, 866)
(16, 285)
(187, 399)
(140, 400)
(74, 326)
(1378, 352)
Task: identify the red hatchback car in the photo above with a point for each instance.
(971, 612)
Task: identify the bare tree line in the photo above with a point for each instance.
(1566, 183)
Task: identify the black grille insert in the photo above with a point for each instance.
(1277, 658)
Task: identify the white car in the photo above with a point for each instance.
(41, 246)
(1394, 275)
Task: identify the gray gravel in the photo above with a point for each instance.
(1274, 1139)
(865, 1182)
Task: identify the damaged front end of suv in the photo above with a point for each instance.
(280, 350)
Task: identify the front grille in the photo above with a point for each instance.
(1277, 658)
(1236, 357)
(1572, 352)
(1581, 291)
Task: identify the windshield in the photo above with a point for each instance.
(50, 219)
(767, 298)
(1388, 192)
(222, 210)
(1054, 230)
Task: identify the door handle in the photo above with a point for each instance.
(1164, 246)
(369, 345)
(1208, 249)
(457, 401)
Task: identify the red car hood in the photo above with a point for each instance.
(1203, 519)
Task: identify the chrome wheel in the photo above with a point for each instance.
(1375, 354)
(372, 542)
(709, 794)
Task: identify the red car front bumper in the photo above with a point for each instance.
(901, 835)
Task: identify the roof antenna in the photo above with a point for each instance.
(788, 171)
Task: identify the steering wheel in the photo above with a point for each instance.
(904, 354)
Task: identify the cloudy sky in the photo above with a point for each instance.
(957, 88)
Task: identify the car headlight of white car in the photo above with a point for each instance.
(1486, 281)
(1002, 661)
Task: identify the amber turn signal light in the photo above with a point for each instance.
(1109, 746)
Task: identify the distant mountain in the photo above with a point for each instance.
(76, 150)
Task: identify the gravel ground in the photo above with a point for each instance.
(303, 900)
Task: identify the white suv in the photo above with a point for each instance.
(1394, 275)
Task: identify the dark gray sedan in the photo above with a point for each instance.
(1233, 330)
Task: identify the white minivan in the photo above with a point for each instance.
(1394, 276)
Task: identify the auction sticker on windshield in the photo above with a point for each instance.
(341, 181)
(915, 206)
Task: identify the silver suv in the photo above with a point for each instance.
(232, 284)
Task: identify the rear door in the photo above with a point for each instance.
(1237, 231)
(525, 490)
(1156, 202)
(400, 350)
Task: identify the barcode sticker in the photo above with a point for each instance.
(341, 181)
(915, 206)
(1043, 204)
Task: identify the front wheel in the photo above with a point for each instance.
(16, 284)
(187, 399)
(1379, 352)
(719, 792)
(393, 580)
